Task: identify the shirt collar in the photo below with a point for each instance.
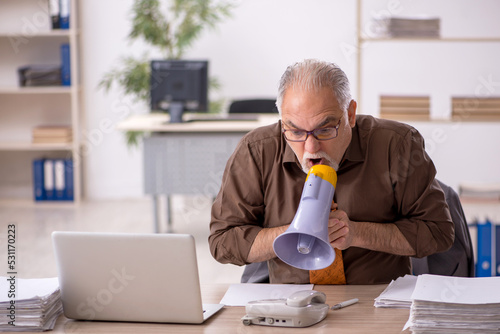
(289, 154)
(354, 151)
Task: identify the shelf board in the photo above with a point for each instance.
(48, 33)
(35, 90)
(429, 39)
(26, 146)
(30, 203)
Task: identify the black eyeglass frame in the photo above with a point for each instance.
(336, 127)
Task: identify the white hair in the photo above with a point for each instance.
(312, 74)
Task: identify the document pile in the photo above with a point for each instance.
(489, 191)
(414, 27)
(39, 75)
(398, 293)
(443, 304)
(29, 304)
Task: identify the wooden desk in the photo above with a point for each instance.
(362, 317)
(187, 158)
(157, 122)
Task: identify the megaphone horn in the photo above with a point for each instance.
(305, 244)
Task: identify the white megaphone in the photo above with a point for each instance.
(305, 244)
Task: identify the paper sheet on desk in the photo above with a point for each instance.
(29, 289)
(241, 294)
(462, 290)
(398, 293)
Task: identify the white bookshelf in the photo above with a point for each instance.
(35, 90)
(469, 36)
(26, 38)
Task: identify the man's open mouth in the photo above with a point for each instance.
(316, 161)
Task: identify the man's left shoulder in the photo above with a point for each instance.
(379, 126)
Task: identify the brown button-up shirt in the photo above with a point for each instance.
(385, 177)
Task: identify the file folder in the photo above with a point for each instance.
(59, 180)
(53, 180)
(55, 12)
(65, 65)
(68, 180)
(65, 14)
(484, 249)
(38, 183)
(497, 249)
(48, 179)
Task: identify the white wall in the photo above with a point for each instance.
(462, 151)
(248, 53)
(111, 170)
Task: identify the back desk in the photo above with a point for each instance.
(187, 158)
(362, 317)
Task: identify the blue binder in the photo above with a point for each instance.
(48, 179)
(65, 65)
(497, 252)
(38, 184)
(69, 193)
(59, 180)
(484, 251)
(64, 10)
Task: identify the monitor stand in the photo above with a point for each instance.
(176, 109)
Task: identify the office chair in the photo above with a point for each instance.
(457, 261)
(255, 106)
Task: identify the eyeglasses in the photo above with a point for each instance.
(319, 134)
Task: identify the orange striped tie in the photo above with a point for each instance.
(333, 274)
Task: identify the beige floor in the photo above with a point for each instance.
(35, 223)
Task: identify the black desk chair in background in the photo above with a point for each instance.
(457, 261)
(255, 106)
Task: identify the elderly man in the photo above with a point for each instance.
(389, 204)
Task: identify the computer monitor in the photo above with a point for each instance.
(178, 86)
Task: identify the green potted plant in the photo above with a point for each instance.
(169, 28)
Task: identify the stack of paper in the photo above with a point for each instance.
(405, 107)
(39, 75)
(414, 26)
(484, 191)
(444, 304)
(398, 293)
(52, 134)
(464, 108)
(29, 304)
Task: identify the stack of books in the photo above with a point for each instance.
(29, 304)
(405, 107)
(475, 108)
(39, 75)
(52, 134)
(414, 27)
(445, 304)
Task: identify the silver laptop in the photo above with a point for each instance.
(130, 277)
